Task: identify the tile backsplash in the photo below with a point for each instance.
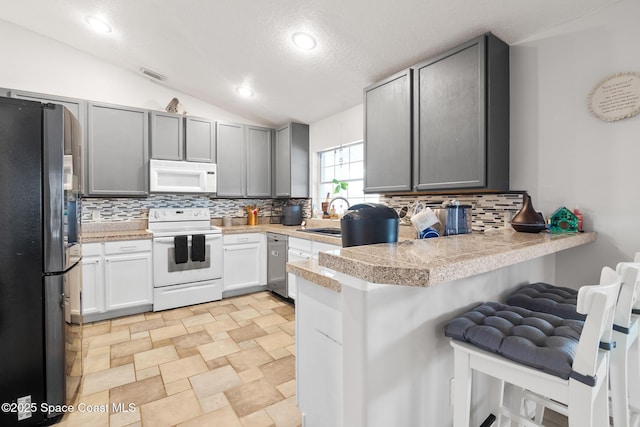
(137, 209)
(487, 210)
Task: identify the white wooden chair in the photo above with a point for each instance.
(624, 370)
(583, 392)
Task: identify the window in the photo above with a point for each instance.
(346, 164)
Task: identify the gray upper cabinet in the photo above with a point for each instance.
(461, 118)
(244, 160)
(230, 154)
(387, 134)
(200, 140)
(118, 150)
(258, 161)
(443, 124)
(167, 136)
(291, 161)
(77, 107)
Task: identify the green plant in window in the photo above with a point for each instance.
(339, 186)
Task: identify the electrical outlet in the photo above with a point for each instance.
(95, 215)
(24, 407)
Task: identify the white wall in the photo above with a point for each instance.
(342, 128)
(38, 64)
(564, 156)
(560, 153)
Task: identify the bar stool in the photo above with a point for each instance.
(550, 356)
(625, 357)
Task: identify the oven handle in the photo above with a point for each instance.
(208, 238)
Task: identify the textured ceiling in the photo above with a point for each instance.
(206, 48)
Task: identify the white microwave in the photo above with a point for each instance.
(166, 176)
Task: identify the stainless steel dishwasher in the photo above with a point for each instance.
(277, 247)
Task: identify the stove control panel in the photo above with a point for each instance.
(178, 214)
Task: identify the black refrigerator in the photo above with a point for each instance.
(40, 148)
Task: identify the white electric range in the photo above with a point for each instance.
(187, 257)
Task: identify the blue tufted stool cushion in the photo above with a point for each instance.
(539, 340)
(547, 299)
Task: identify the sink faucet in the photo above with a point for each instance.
(337, 198)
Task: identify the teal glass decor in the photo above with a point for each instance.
(563, 221)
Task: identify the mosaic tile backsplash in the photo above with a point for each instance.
(133, 209)
(488, 210)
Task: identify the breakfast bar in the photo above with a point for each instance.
(370, 344)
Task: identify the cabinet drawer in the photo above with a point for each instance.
(300, 244)
(126, 246)
(232, 239)
(90, 249)
(321, 247)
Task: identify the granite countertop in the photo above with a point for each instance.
(311, 271)
(430, 262)
(114, 231)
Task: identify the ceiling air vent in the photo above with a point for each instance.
(153, 74)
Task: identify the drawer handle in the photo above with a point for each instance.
(128, 248)
(242, 239)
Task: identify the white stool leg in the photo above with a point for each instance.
(462, 389)
(633, 369)
(619, 381)
(581, 414)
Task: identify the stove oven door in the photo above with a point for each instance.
(167, 272)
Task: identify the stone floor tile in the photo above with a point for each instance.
(177, 386)
(147, 373)
(119, 361)
(98, 362)
(285, 413)
(221, 417)
(178, 313)
(171, 410)
(289, 327)
(269, 320)
(264, 304)
(221, 309)
(130, 347)
(222, 325)
(257, 419)
(279, 353)
(182, 368)
(246, 345)
(188, 352)
(279, 371)
(215, 381)
(250, 358)
(218, 348)
(217, 362)
(291, 349)
(146, 325)
(287, 389)
(109, 378)
(273, 341)
(191, 340)
(252, 396)
(167, 332)
(138, 392)
(197, 328)
(157, 356)
(109, 338)
(127, 320)
(162, 343)
(102, 328)
(251, 374)
(246, 314)
(125, 418)
(215, 402)
(86, 418)
(154, 315)
(139, 335)
(247, 333)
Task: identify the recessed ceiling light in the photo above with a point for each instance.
(304, 41)
(244, 91)
(98, 24)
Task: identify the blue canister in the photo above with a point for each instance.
(458, 219)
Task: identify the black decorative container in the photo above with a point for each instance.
(527, 219)
(369, 223)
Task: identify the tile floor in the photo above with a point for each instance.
(225, 363)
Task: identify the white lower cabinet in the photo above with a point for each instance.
(245, 263)
(116, 279)
(300, 250)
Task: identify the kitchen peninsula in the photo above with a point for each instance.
(370, 344)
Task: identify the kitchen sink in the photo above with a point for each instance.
(335, 232)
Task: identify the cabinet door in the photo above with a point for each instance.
(200, 141)
(258, 161)
(118, 151)
(242, 266)
(167, 136)
(128, 280)
(387, 134)
(230, 155)
(283, 162)
(449, 111)
(92, 295)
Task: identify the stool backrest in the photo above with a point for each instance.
(598, 304)
(628, 299)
